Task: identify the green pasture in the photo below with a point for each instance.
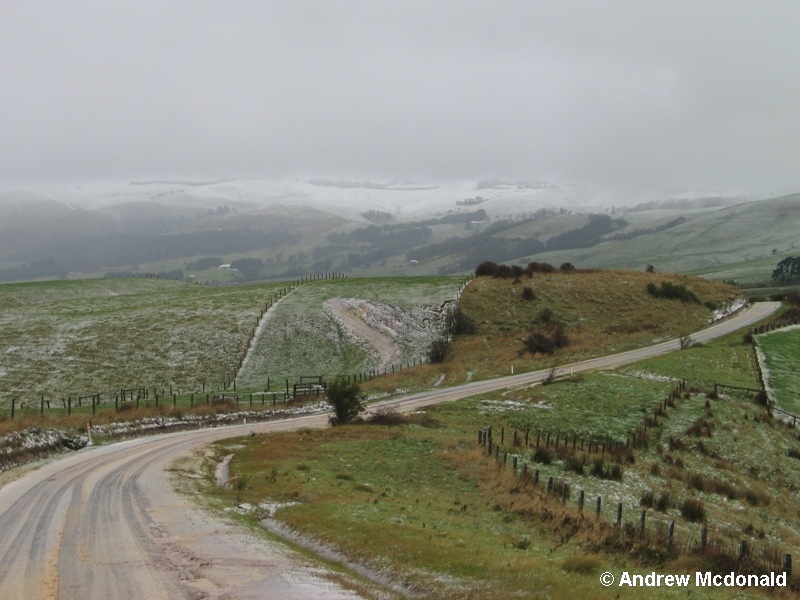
(421, 502)
(781, 351)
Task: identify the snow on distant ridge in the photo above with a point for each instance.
(406, 202)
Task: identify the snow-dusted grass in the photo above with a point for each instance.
(420, 502)
(303, 336)
(75, 338)
(781, 353)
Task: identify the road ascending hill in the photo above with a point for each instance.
(106, 523)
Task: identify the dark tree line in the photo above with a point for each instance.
(787, 270)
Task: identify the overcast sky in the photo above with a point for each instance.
(662, 95)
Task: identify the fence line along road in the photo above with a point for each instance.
(105, 522)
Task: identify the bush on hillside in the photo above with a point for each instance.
(459, 323)
(672, 291)
(499, 271)
(546, 344)
(439, 350)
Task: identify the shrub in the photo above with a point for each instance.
(388, 415)
(346, 399)
(546, 344)
(459, 323)
(546, 316)
(559, 337)
(540, 267)
(567, 267)
(439, 350)
(693, 510)
(538, 342)
(543, 456)
(575, 463)
(527, 293)
(663, 502)
(672, 291)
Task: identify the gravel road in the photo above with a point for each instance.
(106, 522)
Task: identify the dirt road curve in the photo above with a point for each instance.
(106, 523)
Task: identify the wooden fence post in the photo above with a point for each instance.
(703, 538)
(641, 523)
(786, 566)
(580, 501)
(619, 514)
(671, 532)
(13, 406)
(599, 505)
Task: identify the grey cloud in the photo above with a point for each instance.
(650, 95)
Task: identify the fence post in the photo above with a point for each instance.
(41, 409)
(786, 566)
(619, 514)
(641, 523)
(671, 532)
(599, 504)
(580, 501)
(703, 538)
(13, 406)
(515, 465)
(742, 549)
(69, 406)
(549, 485)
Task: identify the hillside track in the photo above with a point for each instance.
(106, 522)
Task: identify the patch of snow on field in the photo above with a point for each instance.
(644, 375)
(270, 508)
(516, 405)
(728, 309)
(383, 330)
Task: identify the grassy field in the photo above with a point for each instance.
(302, 335)
(80, 337)
(781, 350)
(421, 501)
(72, 338)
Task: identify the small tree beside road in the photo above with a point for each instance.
(346, 399)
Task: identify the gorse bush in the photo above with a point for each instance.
(546, 343)
(672, 291)
(491, 269)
